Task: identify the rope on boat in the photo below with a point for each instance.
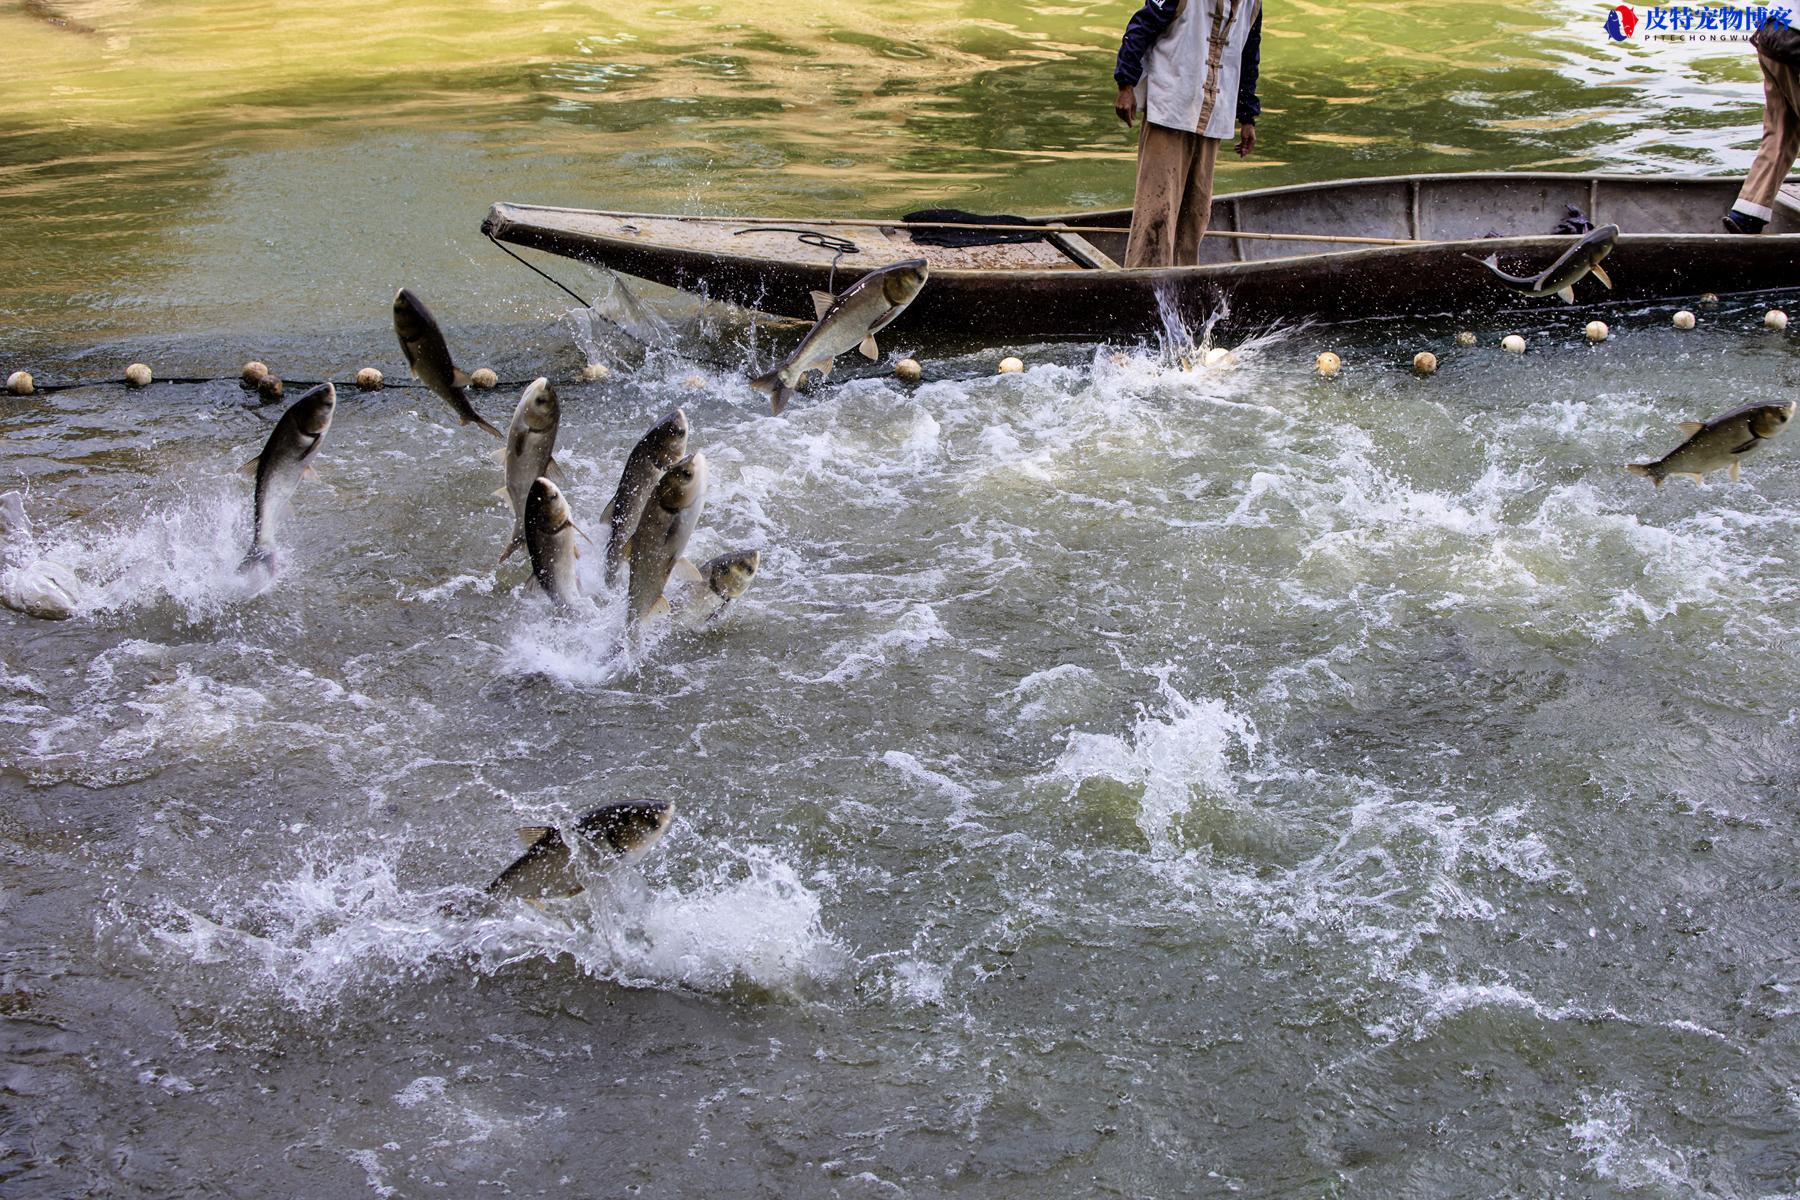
(812, 237)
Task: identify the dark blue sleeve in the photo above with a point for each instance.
(1150, 23)
(1249, 107)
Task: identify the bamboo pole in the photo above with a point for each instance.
(875, 223)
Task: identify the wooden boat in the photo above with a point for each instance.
(1071, 286)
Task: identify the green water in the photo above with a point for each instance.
(248, 168)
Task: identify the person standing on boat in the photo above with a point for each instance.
(1778, 52)
(1190, 67)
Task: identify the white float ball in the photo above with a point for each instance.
(1684, 319)
(1011, 366)
(1328, 364)
(1465, 338)
(595, 371)
(1597, 331)
(368, 379)
(483, 378)
(19, 383)
(907, 370)
(137, 375)
(253, 373)
(1512, 343)
(1775, 319)
(1425, 362)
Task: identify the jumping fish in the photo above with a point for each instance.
(848, 321)
(716, 583)
(1560, 278)
(285, 460)
(1720, 442)
(429, 358)
(530, 441)
(658, 450)
(662, 534)
(544, 872)
(550, 541)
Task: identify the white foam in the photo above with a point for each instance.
(186, 552)
(1610, 1138)
(911, 632)
(341, 926)
(1172, 758)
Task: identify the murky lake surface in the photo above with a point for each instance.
(1120, 780)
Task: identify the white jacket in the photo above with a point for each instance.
(1191, 74)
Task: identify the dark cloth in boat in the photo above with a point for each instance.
(969, 237)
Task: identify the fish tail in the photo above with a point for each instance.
(515, 544)
(779, 392)
(485, 425)
(258, 557)
(1647, 470)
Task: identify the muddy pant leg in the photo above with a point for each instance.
(1780, 142)
(1165, 160)
(1196, 202)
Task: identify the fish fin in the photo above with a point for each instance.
(459, 377)
(606, 515)
(1749, 445)
(779, 392)
(307, 472)
(503, 494)
(1599, 272)
(825, 371)
(1696, 476)
(1692, 427)
(553, 470)
(249, 468)
(822, 302)
(499, 454)
(868, 348)
(686, 571)
(1644, 470)
(529, 834)
(510, 547)
(485, 425)
(1736, 463)
(660, 608)
(1567, 295)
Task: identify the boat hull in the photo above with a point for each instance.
(1251, 284)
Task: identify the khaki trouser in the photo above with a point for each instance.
(1780, 140)
(1174, 197)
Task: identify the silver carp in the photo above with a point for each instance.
(658, 450)
(530, 442)
(848, 321)
(285, 460)
(623, 832)
(710, 588)
(429, 358)
(1720, 442)
(662, 534)
(1560, 277)
(550, 541)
